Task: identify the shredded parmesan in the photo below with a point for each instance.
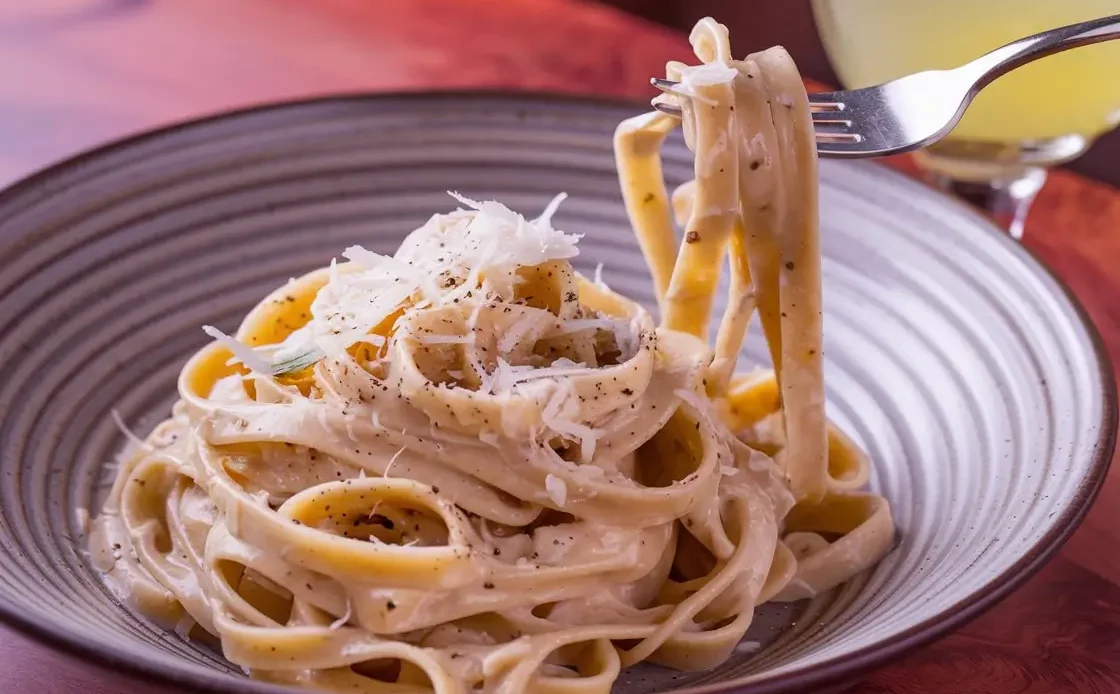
(576, 325)
(556, 489)
(599, 277)
(506, 376)
(338, 623)
(557, 416)
(393, 460)
(440, 263)
(229, 388)
(515, 334)
(134, 442)
(241, 352)
(748, 647)
(496, 235)
(445, 339)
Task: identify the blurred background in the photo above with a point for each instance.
(790, 23)
(77, 72)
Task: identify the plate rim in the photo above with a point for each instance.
(842, 668)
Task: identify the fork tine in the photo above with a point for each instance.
(833, 132)
(669, 109)
(825, 118)
(818, 103)
(673, 110)
(828, 102)
(837, 138)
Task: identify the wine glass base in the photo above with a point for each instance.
(1002, 178)
(984, 160)
(1007, 200)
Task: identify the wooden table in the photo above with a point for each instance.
(76, 72)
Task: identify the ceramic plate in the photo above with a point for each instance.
(964, 368)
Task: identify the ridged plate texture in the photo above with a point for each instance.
(953, 357)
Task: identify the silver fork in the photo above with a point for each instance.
(919, 109)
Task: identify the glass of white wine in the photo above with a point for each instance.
(1040, 115)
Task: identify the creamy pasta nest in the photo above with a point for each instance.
(468, 468)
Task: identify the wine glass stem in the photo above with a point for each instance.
(1007, 201)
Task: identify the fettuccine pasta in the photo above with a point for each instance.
(467, 468)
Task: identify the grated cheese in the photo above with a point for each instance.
(557, 416)
(229, 389)
(748, 647)
(556, 489)
(459, 248)
(393, 460)
(496, 235)
(134, 442)
(338, 623)
(599, 277)
(242, 352)
(446, 339)
(628, 337)
(578, 324)
(515, 334)
(507, 376)
(550, 210)
(392, 267)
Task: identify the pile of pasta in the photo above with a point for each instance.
(466, 467)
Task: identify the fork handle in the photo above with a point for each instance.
(990, 66)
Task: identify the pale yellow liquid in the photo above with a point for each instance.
(1072, 93)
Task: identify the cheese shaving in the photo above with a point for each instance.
(599, 278)
(558, 413)
(576, 325)
(556, 489)
(515, 334)
(134, 442)
(487, 240)
(506, 377)
(338, 623)
(242, 353)
(446, 339)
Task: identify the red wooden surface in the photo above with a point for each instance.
(76, 72)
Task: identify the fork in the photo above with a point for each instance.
(920, 109)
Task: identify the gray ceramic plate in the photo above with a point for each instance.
(965, 369)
